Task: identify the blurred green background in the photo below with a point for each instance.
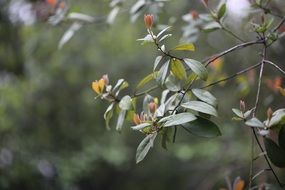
(52, 133)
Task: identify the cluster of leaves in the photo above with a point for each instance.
(179, 105)
(275, 123)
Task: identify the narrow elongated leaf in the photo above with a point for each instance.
(108, 115)
(203, 128)
(156, 62)
(179, 119)
(222, 11)
(144, 147)
(205, 96)
(185, 47)
(164, 37)
(178, 69)
(162, 31)
(69, 34)
(125, 103)
(140, 126)
(281, 138)
(145, 80)
(278, 118)
(212, 26)
(121, 119)
(254, 122)
(81, 17)
(197, 67)
(275, 153)
(200, 107)
(162, 73)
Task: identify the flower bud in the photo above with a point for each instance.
(136, 119)
(106, 79)
(269, 113)
(152, 107)
(242, 105)
(148, 20)
(194, 14)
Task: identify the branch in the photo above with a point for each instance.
(233, 76)
(234, 48)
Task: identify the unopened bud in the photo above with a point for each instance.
(136, 119)
(106, 79)
(242, 105)
(269, 113)
(152, 107)
(148, 20)
(194, 14)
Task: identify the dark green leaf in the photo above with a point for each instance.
(281, 138)
(222, 11)
(144, 147)
(166, 137)
(275, 153)
(198, 68)
(200, 107)
(178, 69)
(203, 128)
(205, 96)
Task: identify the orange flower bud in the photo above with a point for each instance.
(51, 2)
(136, 119)
(148, 20)
(152, 107)
(194, 14)
(269, 113)
(98, 86)
(106, 79)
(242, 105)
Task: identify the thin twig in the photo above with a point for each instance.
(279, 25)
(207, 61)
(251, 162)
(147, 91)
(232, 76)
(276, 66)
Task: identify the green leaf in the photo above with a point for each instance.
(165, 37)
(185, 47)
(178, 69)
(222, 11)
(197, 67)
(172, 83)
(212, 26)
(121, 119)
(162, 73)
(275, 153)
(203, 128)
(278, 118)
(179, 119)
(200, 107)
(237, 112)
(157, 61)
(162, 31)
(140, 126)
(145, 80)
(205, 96)
(281, 137)
(144, 147)
(166, 137)
(125, 103)
(254, 122)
